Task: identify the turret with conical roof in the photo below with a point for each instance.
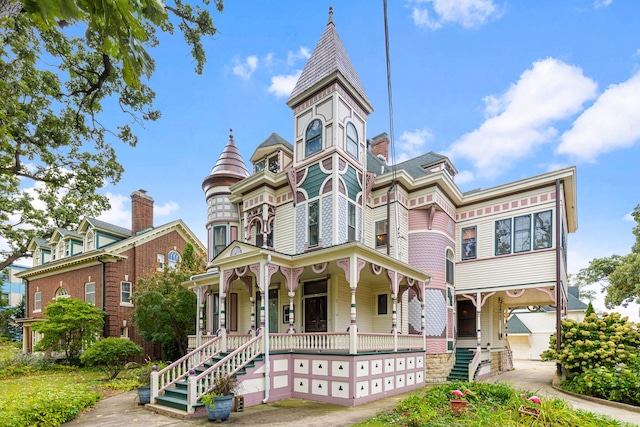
(223, 220)
(330, 108)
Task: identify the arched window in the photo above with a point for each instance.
(62, 293)
(313, 138)
(352, 141)
(173, 259)
(449, 267)
(90, 240)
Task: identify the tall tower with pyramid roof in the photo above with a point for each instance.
(330, 108)
(223, 219)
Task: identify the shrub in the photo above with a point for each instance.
(595, 342)
(619, 384)
(111, 354)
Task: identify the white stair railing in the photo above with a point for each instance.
(230, 364)
(161, 380)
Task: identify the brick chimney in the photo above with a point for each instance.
(141, 212)
(380, 146)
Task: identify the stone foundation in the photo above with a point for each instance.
(439, 366)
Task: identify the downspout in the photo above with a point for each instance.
(558, 278)
(389, 217)
(265, 301)
(102, 291)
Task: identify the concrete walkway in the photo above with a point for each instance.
(123, 411)
(536, 376)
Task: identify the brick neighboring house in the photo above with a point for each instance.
(100, 263)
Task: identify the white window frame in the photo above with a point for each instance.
(37, 302)
(91, 300)
(122, 293)
(351, 144)
(161, 262)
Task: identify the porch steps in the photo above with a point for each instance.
(176, 397)
(460, 370)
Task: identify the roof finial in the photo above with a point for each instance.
(230, 134)
(330, 15)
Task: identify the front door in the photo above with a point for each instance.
(315, 314)
(315, 306)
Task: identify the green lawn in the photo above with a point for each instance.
(35, 393)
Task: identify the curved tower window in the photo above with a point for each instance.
(352, 141)
(449, 262)
(313, 138)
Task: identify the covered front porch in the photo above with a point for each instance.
(342, 325)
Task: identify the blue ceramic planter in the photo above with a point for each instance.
(221, 409)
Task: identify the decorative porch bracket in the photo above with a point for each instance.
(291, 276)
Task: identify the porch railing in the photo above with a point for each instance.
(230, 364)
(328, 341)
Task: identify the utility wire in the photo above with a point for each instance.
(391, 130)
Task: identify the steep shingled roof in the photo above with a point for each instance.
(230, 162)
(328, 57)
(275, 139)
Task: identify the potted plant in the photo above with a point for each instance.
(219, 399)
(459, 404)
(144, 380)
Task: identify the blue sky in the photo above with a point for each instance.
(506, 89)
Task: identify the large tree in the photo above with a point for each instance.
(55, 151)
(165, 311)
(619, 275)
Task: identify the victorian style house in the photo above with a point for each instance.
(337, 277)
(100, 263)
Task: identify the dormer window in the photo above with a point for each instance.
(351, 144)
(259, 166)
(90, 239)
(313, 138)
(274, 164)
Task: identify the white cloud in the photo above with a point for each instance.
(411, 143)
(464, 177)
(302, 53)
(611, 123)
(602, 3)
(120, 212)
(522, 118)
(433, 14)
(628, 217)
(268, 59)
(166, 209)
(282, 85)
(246, 68)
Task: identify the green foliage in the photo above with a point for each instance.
(489, 405)
(165, 311)
(595, 342)
(111, 354)
(620, 275)
(9, 328)
(70, 326)
(47, 399)
(619, 384)
(20, 364)
(53, 92)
